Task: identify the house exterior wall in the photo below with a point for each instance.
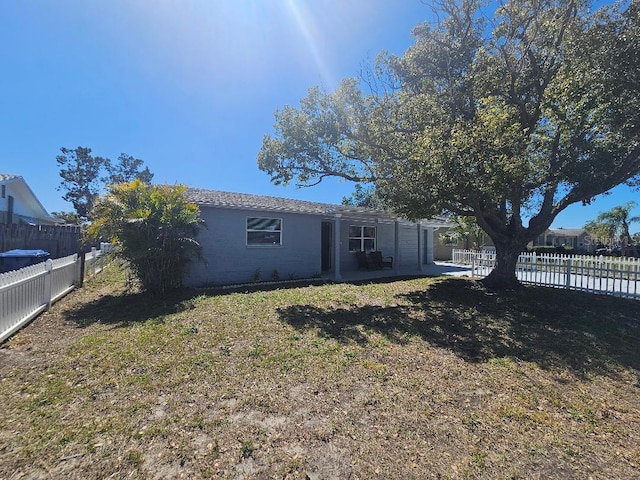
(385, 240)
(8, 191)
(408, 254)
(408, 246)
(23, 202)
(19, 207)
(226, 257)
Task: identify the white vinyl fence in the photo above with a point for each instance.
(27, 292)
(598, 274)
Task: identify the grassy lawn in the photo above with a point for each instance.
(427, 378)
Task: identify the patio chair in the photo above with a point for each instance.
(377, 260)
(363, 261)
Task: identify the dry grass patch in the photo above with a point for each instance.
(429, 378)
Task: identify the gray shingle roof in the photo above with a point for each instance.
(566, 232)
(216, 198)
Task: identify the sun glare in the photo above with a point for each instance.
(306, 27)
(241, 40)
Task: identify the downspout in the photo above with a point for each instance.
(420, 248)
(396, 247)
(430, 245)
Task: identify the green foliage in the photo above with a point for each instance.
(82, 181)
(365, 196)
(466, 229)
(613, 225)
(516, 121)
(127, 169)
(70, 218)
(603, 232)
(154, 227)
(80, 172)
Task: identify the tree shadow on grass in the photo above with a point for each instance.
(129, 308)
(551, 327)
(126, 308)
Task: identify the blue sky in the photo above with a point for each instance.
(190, 87)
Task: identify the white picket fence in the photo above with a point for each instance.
(606, 275)
(26, 293)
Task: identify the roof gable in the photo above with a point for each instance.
(31, 207)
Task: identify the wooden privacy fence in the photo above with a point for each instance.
(58, 240)
(617, 276)
(26, 293)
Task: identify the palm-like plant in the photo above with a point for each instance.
(615, 223)
(154, 227)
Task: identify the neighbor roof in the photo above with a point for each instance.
(29, 198)
(566, 232)
(6, 177)
(216, 198)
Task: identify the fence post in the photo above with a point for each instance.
(568, 279)
(473, 266)
(81, 270)
(48, 266)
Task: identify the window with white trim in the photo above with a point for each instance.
(264, 231)
(362, 238)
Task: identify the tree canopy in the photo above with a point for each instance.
(364, 196)
(83, 176)
(507, 118)
(80, 172)
(127, 169)
(465, 229)
(154, 228)
(70, 218)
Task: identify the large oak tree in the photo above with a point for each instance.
(508, 118)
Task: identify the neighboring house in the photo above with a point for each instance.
(18, 203)
(252, 237)
(576, 238)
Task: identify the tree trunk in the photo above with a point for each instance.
(503, 275)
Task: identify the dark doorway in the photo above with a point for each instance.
(10, 210)
(327, 245)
